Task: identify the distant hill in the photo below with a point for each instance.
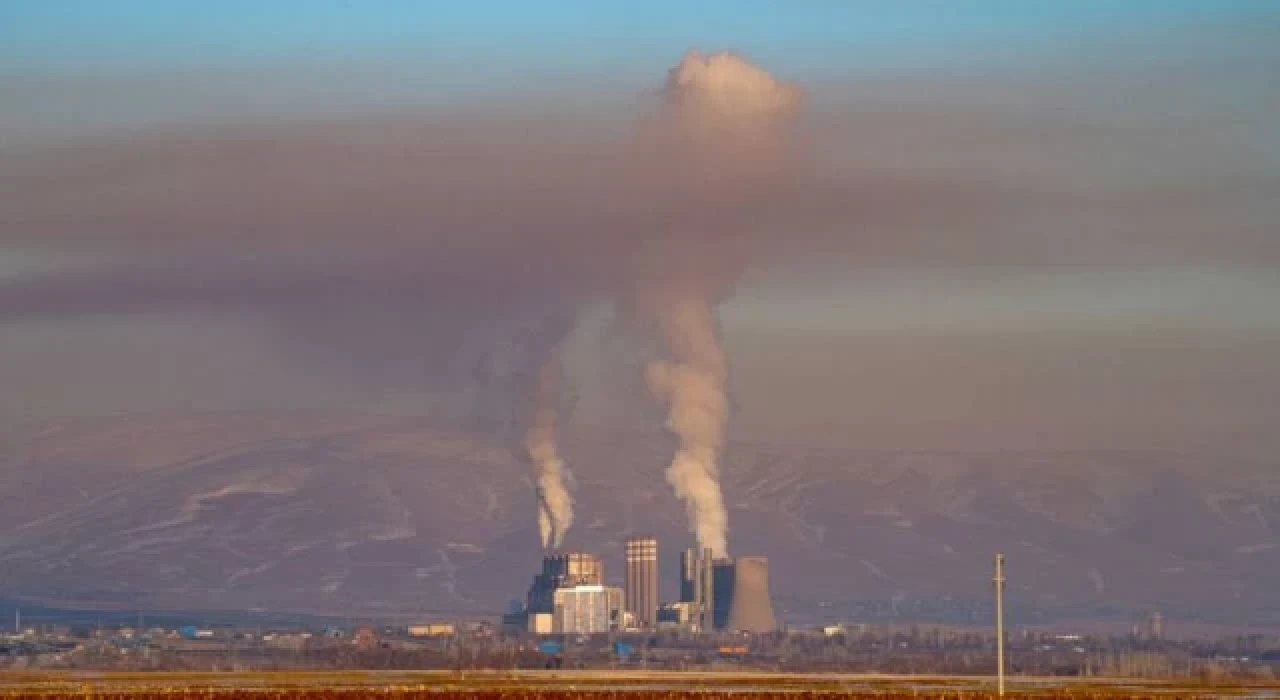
(365, 515)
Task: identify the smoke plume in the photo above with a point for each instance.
(724, 119)
(691, 382)
(555, 505)
(519, 376)
(403, 249)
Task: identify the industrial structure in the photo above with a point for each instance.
(750, 608)
(641, 555)
(582, 609)
(726, 593)
(564, 570)
(999, 582)
(697, 587)
(722, 573)
(570, 597)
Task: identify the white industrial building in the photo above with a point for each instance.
(582, 609)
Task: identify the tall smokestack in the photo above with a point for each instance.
(689, 576)
(720, 121)
(706, 623)
(751, 609)
(642, 579)
(555, 504)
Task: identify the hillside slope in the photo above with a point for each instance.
(393, 515)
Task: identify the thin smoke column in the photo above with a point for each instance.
(523, 360)
(555, 504)
(721, 119)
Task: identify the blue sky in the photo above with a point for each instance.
(157, 36)
(68, 65)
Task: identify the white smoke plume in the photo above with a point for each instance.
(691, 381)
(555, 504)
(523, 361)
(725, 119)
(728, 112)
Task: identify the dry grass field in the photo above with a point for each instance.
(577, 685)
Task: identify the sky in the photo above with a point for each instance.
(1012, 224)
(148, 37)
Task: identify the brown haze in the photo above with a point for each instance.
(415, 244)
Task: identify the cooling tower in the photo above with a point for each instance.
(751, 610)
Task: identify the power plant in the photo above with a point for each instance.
(697, 588)
(728, 593)
(569, 596)
(642, 580)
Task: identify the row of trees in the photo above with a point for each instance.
(896, 652)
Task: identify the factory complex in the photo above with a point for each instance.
(717, 594)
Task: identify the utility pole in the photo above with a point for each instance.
(999, 582)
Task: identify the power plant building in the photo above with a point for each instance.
(581, 609)
(540, 623)
(617, 604)
(569, 597)
(578, 568)
(676, 615)
(722, 574)
(564, 570)
(727, 593)
(697, 570)
(642, 580)
(689, 576)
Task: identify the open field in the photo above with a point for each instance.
(581, 685)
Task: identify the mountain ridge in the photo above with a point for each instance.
(385, 514)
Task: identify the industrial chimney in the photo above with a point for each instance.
(642, 579)
(751, 610)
